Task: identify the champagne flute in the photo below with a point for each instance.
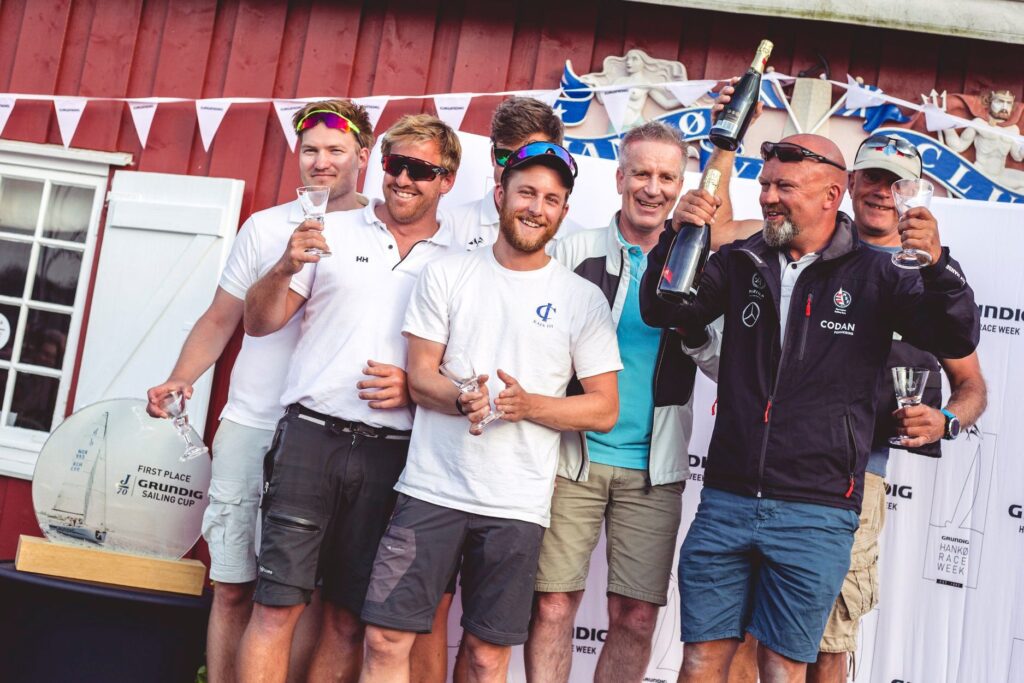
(908, 194)
(458, 369)
(174, 405)
(313, 200)
(909, 384)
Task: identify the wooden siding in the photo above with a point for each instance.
(264, 48)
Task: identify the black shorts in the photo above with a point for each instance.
(330, 493)
(419, 554)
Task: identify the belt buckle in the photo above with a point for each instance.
(364, 430)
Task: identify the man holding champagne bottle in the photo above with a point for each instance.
(880, 161)
(809, 317)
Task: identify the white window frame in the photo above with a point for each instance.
(19, 448)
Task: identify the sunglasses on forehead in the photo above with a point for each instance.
(535, 149)
(788, 152)
(417, 169)
(331, 119)
(891, 145)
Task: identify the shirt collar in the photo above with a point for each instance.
(443, 236)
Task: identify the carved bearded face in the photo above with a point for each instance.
(1000, 106)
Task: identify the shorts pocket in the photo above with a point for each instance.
(229, 525)
(290, 548)
(860, 591)
(395, 555)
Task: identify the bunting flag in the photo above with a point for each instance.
(859, 97)
(6, 108)
(936, 119)
(616, 103)
(69, 113)
(210, 114)
(548, 97)
(285, 109)
(452, 108)
(374, 107)
(142, 112)
(689, 92)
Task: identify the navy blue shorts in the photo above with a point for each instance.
(770, 567)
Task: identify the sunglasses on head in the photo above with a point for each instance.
(535, 149)
(887, 142)
(331, 119)
(417, 169)
(788, 152)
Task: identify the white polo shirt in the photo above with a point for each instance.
(254, 394)
(475, 224)
(355, 303)
(540, 326)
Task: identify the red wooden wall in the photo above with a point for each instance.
(303, 48)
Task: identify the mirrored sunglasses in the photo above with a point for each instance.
(417, 169)
(331, 119)
(535, 149)
(788, 152)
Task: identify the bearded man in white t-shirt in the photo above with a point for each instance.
(482, 497)
(342, 443)
(335, 137)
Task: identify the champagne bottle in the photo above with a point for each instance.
(732, 122)
(681, 274)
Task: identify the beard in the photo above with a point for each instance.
(781, 234)
(520, 242)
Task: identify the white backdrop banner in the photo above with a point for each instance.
(952, 605)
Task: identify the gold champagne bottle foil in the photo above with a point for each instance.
(711, 179)
(764, 51)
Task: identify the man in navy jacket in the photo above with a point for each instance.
(809, 316)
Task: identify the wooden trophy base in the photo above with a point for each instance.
(40, 556)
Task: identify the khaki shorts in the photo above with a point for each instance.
(860, 588)
(236, 481)
(642, 528)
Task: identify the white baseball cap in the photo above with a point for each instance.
(889, 153)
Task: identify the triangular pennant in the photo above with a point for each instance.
(6, 107)
(374, 107)
(69, 113)
(142, 112)
(859, 97)
(936, 119)
(548, 97)
(689, 92)
(452, 108)
(210, 114)
(285, 110)
(616, 103)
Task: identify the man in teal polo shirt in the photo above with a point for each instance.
(630, 478)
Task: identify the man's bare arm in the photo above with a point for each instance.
(968, 398)
(595, 410)
(269, 303)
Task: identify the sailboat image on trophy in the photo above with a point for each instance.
(80, 511)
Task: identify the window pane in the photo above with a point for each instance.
(57, 276)
(34, 400)
(46, 336)
(19, 205)
(8, 324)
(68, 213)
(13, 266)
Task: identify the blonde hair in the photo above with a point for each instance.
(347, 108)
(426, 128)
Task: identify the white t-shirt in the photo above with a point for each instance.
(254, 394)
(539, 326)
(475, 224)
(355, 303)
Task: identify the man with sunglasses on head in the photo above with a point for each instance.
(631, 478)
(809, 318)
(516, 122)
(881, 160)
(343, 441)
(482, 496)
(335, 137)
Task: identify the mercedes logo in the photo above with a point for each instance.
(751, 313)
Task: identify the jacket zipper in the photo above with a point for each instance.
(807, 323)
(852, 459)
(654, 396)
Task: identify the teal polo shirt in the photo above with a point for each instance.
(628, 444)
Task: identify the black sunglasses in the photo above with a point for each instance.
(885, 142)
(788, 152)
(416, 168)
(502, 155)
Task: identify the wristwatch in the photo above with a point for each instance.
(952, 425)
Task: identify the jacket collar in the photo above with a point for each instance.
(844, 240)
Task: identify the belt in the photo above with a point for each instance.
(338, 425)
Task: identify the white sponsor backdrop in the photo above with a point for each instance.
(952, 605)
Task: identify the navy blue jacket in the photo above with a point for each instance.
(795, 422)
